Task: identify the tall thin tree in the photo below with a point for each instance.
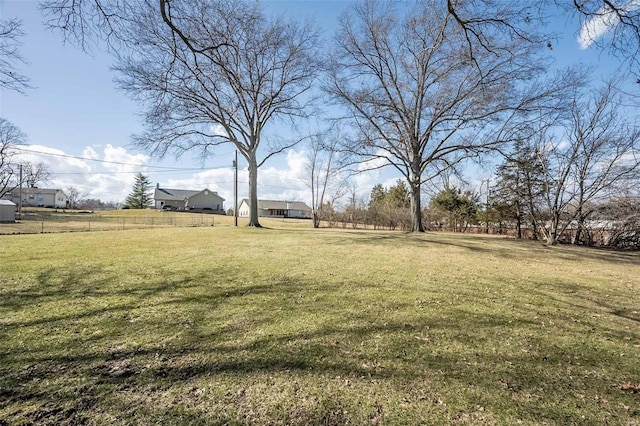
(261, 71)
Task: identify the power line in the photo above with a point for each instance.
(108, 162)
(167, 171)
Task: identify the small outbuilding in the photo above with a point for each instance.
(7, 211)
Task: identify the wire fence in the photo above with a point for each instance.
(40, 223)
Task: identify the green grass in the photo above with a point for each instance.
(216, 325)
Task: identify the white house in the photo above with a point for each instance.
(187, 199)
(271, 208)
(39, 197)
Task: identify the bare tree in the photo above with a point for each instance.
(34, 173)
(596, 155)
(525, 20)
(86, 23)
(323, 169)
(75, 196)
(618, 20)
(10, 57)
(419, 103)
(10, 138)
(262, 73)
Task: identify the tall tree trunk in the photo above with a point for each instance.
(416, 207)
(519, 222)
(552, 235)
(253, 191)
(580, 218)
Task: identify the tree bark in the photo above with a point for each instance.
(416, 207)
(552, 235)
(253, 191)
(580, 229)
(518, 221)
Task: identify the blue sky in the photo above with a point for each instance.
(74, 110)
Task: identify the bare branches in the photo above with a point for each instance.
(586, 155)
(229, 72)
(618, 20)
(416, 99)
(87, 22)
(10, 59)
(611, 25)
(34, 174)
(10, 137)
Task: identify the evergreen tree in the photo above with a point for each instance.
(398, 196)
(461, 208)
(140, 196)
(389, 207)
(520, 186)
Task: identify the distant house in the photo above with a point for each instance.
(7, 211)
(271, 208)
(187, 199)
(39, 197)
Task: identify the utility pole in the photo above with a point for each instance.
(20, 195)
(486, 207)
(235, 189)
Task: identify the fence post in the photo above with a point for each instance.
(42, 227)
(89, 223)
(123, 219)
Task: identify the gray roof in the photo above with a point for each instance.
(38, 191)
(178, 194)
(279, 205)
(7, 203)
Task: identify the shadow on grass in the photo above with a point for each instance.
(394, 238)
(590, 302)
(145, 339)
(496, 245)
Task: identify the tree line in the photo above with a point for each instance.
(613, 221)
(422, 87)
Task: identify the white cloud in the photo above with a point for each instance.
(89, 173)
(91, 153)
(286, 183)
(605, 19)
(218, 129)
(128, 162)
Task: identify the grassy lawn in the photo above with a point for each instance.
(217, 325)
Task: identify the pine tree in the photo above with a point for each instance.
(140, 196)
(520, 186)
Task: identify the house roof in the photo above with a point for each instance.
(38, 191)
(279, 205)
(179, 194)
